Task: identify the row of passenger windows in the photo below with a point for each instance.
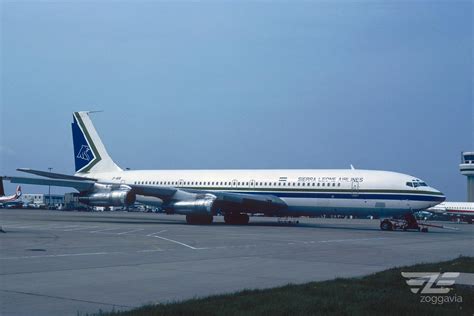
(224, 183)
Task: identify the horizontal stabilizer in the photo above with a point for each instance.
(53, 175)
(80, 185)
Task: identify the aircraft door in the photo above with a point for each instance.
(355, 188)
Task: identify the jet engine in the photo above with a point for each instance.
(110, 198)
(202, 205)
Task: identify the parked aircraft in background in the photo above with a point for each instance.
(201, 194)
(463, 210)
(9, 198)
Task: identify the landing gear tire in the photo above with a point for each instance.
(386, 225)
(236, 219)
(424, 230)
(199, 219)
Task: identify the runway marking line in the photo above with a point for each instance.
(67, 226)
(153, 234)
(179, 243)
(30, 225)
(80, 228)
(61, 255)
(103, 230)
(130, 231)
(56, 226)
(150, 250)
(65, 298)
(82, 254)
(356, 239)
(16, 225)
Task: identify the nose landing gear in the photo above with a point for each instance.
(408, 222)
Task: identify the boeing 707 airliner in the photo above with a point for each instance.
(201, 194)
(462, 210)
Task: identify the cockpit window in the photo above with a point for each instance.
(419, 184)
(416, 184)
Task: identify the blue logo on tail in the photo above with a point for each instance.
(83, 154)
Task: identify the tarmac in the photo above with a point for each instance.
(72, 263)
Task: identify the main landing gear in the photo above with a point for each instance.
(236, 219)
(407, 222)
(199, 219)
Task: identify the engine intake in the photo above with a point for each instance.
(112, 198)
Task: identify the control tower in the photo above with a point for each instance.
(467, 169)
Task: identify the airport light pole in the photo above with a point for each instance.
(49, 191)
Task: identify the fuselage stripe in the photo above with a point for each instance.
(359, 196)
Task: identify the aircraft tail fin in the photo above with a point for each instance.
(90, 155)
(2, 190)
(18, 192)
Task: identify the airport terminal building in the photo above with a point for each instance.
(40, 200)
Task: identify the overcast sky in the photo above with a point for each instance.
(380, 85)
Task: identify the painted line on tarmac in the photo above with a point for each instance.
(153, 234)
(150, 250)
(61, 255)
(103, 230)
(179, 243)
(130, 231)
(56, 226)
(30, 225)
(66, 298)
(67, 226)
(17, 225)
(80, 228)
(84, 254)
(13, 223)
(344, 240)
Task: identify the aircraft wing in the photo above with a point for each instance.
(80, 185)
(149, 190)
(241, 201)
(252, 203)
(227, 200)
(251, 200)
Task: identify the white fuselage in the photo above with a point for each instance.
(306, 192)
(454, 208)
